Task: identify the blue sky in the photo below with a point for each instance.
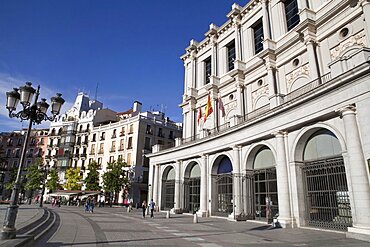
(131, 48)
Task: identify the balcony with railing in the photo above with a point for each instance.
(300, 93)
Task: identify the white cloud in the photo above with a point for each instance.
(7, 83)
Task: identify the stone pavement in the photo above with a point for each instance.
(26, 214)
(117, 227)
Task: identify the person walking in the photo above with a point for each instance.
(87, 205)
(92, 205)
(151, 207)
(143, 205)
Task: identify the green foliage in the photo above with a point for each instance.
(92, 178)
(13, 176)
(53, 182)
(115, 178)
(73, 179)
(34, 176)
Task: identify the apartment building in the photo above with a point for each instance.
(11, 145)
(288, 133)
(129, 139)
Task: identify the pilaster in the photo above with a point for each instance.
(285, 218)
(356, 169)
(203, 211)
(178, 183)
(238, 206)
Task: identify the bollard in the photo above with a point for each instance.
(168, 214)
(128, 209)
(195, 219)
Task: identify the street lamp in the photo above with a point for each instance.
(45, 171)
(36, 113)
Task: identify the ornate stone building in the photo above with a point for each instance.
(288, 137)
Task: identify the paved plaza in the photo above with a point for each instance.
(117, 227)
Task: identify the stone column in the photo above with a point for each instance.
(356, 169)
(249, 50)
(151, 183)
(238, 45)
(271, 85)
(178, 182)
(203, 211)
(237, 200)
(312, 61)
(285, 218)
(155, 184)
(266, 20)
(239, 97)
(366, 15)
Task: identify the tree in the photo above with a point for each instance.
(115, 178)
(53, 182)
(34, 177)
(92, 178)
(74, 179)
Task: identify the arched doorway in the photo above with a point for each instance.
(325, 183)
(192, 188)
(222, 180)
(265, 185)
(168, 189)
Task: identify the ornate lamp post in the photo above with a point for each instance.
(44, 170)
(35, 112)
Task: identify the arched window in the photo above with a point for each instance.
(322, 144)
(225, 166)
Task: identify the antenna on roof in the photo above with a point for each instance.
(96, 91)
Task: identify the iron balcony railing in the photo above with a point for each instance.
(265, 110)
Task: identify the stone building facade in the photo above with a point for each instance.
(288, 137)
(129, 139)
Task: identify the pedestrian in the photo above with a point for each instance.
(87, 205)
(143, 205)
(151, 207)
(92, 205)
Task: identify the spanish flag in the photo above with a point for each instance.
(209, 108)
(199, 115)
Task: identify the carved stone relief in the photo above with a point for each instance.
(263, 90)
(291, 77)
(358, 39)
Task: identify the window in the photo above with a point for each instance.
(113, 147)
(149, 129)
(111, 159)
(94, 138)
(101, 148)
(122, 133)
(291, 13)
(92, 149)
(42, 141)
(207, 69)
(122, 145)
(99, 161)
(258, 36)
(131, 129)
(171, 135)
(120, 157)
(102, 137)
(114, 133)
(129, 144)
(147, 143)
(230, 55)
(129, 158)
(91, 160)
(160, 132)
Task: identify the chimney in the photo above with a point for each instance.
(137, 106)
